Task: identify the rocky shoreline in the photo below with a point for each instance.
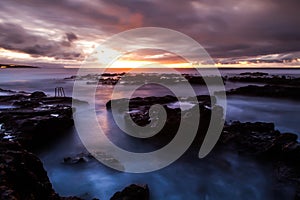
(32, 122)
(258, 140)
(35, 120)
(142, 78)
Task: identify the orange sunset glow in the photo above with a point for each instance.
(234, 34)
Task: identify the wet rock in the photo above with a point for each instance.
(260, 77)
(132, 192)
(35, 119)
(139, 114)
(79, 158)
(262, 141)
(22, 175)
(254, 74)
(268, 91)
(38, 95)
(35, 128)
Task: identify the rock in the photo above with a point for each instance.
(33, 124)
(79, 158)
(38, 95)
(259, 77)
(254, 74)
(36, 119)
(268, 91)
(132, 192)
(35, 128)
(26, 104)
(286, 138)
(22, 174)
(262, 141)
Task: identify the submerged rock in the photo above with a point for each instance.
(79, 158)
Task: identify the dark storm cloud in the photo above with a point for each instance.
(226, 28)
(16, 38)
(71, 37)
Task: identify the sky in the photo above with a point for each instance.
(235, 33)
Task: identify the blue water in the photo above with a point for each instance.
(221, 175)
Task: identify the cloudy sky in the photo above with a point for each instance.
(62, 33)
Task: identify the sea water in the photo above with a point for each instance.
(221, 175)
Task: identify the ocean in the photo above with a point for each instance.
(242, 178)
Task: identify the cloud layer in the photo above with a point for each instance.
(228, 29)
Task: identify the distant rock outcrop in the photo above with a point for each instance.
(286, 92)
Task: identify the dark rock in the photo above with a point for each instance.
(132, 192)
(254, 74)
(79, 158)
(35, 128)
(38, 95)
(32, 124)
(36, 119)
(262, 141)
(22, 174)
(259, 77)
(268, 91)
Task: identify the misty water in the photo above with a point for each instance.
(221, 175)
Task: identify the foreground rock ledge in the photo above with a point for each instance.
(132, 192)
(23, 175)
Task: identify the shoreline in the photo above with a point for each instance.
(283, 140)
(80, 159)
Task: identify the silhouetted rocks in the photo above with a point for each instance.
(23, 175)
(7, 91)
(262, 141)
(254, 74)
(37, 95)
(144, 78)
(258, 140)
(36, 127)
(10, 66)
(259, 77)
(34, 119)
(268, 91)
(82, 157)
(132, 192)
(140, 113)
(137, 102)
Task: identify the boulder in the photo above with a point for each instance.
(22, 174)
(38, 95)
(132, 192)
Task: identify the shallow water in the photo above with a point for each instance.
(284, 113)
(222, 175)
